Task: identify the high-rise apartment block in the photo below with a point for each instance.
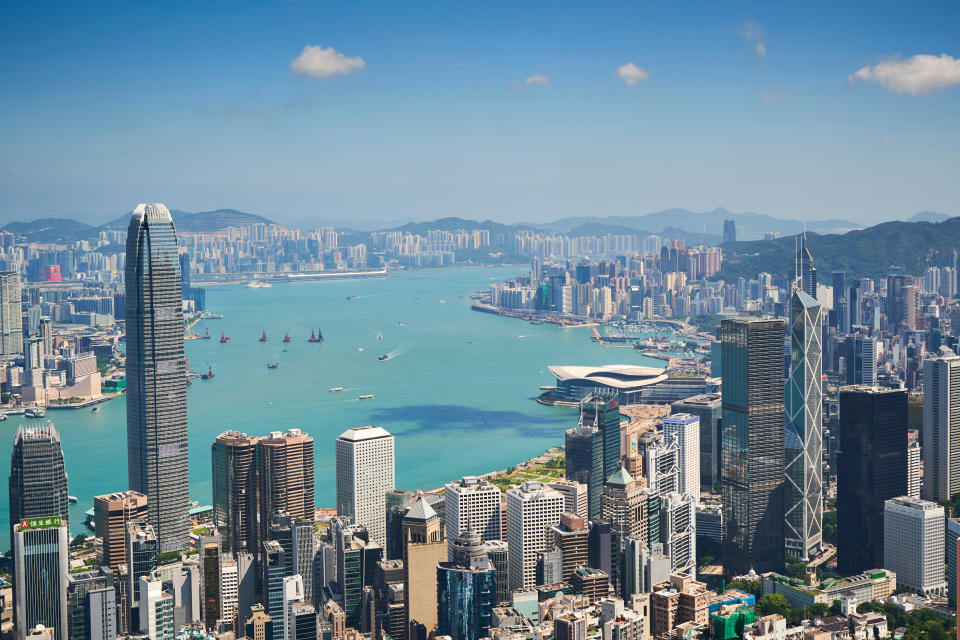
(752, 473)
(156, 374)
(365, 472)
(235, 490)
(11, 314)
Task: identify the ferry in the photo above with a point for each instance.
(383, 357)
(224, 338)
(36, 412)
(273, 365)
(258, 284)
(286, 337)
(263, 336)
(368, 396)
(335, 389)
(72, 499)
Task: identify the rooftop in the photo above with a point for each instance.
(619, 376)
(370, 432)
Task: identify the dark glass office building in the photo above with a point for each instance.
(38, 480)
(752, 473)
(156, 374)
(584, 463)
(466, 590)
(872, 468)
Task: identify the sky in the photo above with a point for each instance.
(511, 111)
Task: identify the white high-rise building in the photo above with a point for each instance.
(941, 425)
(678, 520)
(292, 594)
(229, 587)
(11, 314)
(913, 544)
(684, 429)
(365, 472)
(475, 502)
(576, 496)
(532, 508)
(156, 609)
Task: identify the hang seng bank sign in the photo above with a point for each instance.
(39, 523)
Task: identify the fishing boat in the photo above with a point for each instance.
(263, 336)
(367, 396)
(335, 389)
(273, 365)
(224, 338)
(383, 357)
(313, 336)
(206, 334)
(208, 375)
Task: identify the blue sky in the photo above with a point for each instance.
(510, 111)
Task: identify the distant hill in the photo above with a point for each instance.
(200, 221)
(710, 223)
(928, 216)
(862, 253)
(51, 230)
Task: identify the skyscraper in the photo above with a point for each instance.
(532, 508)
(584, 463)
(913, 534)
(423, 548)
(38, 481)
(806, 272)
(295, 535)
(285, 462)
(11, 314)
(753, 436)
(709, 408)
(466, 589)
(92, 605)
(604, 414)
(156, 374)
(913, 463)
(803, 488)
(684, 430)
(941, 426)
(40, 546)
(235, 504)
(861, 359)
(729, 231)
(365, 472)
(872, 468)
(112, 513)
(838, 282)
(475, 502)
(625, 508)
(142, 550)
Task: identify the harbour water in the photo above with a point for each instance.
(457, 391)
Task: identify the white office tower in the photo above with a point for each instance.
(292, 594)
(803, 430)
(913, 544)
(941, 425)
(684, 430)
(661, 463)
(365, 472)
(475, 502)
(678, 527)
(913, 463)
(229, 587)
(532, 508)
(156, 609)
(575, 496)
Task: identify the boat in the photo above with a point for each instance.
(72, 499)
(36, 412)
(263, 336)
(224, 338)
(383, 357)
(286, 337)
(206, 334)
(313, 336)
(368, 396)
(3, 417)
(94, 409)
(258, 284)
(379, 337)
(319, 335)
(208, 375)
(351, 297)
(273, 365)
(335, 389)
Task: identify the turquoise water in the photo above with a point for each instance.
(458, 392)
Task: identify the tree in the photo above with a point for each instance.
(79, 540)
(773, 603)
(747, 586)
(820, 609)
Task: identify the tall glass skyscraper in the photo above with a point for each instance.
(38, 481)
(466, 589)
(156, 374)
(753, 437)
(803, 488)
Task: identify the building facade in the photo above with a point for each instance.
(913, 544)
(941, 426)
(532, 508)
(365, 472)
(38, 478)
(40, 554)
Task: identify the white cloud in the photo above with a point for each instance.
(920, 74)
(318, 62)
(775, 96)
(537, 80)
(631, 73)
(750, 32)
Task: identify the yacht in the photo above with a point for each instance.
(335, 389)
